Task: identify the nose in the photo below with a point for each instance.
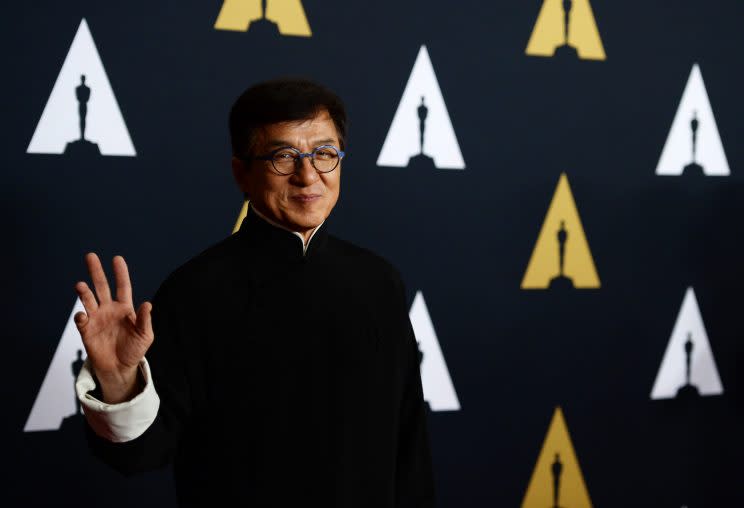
(305, 175)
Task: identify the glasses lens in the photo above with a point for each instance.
(325, 158)
(284, 161)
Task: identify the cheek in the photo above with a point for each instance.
(332, 181)
(332, 188)
(265, 189)
(273, 188)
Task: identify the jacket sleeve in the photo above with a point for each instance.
(414, 472)
(156, 446)
(123, 421)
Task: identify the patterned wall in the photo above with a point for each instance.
(559, 182)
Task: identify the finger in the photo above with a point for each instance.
(123, 283)
(86, 297)
(98, 277)
(81, 319)
(144, 319)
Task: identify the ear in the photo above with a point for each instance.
(239, 171)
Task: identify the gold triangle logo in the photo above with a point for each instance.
(561, 257)
(285, 17)
(241, 216)
(557, 480)
(566, 28)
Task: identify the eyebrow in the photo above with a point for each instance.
(317, 142)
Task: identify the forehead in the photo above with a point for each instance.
(310, 131)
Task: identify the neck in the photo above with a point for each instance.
(304, 236)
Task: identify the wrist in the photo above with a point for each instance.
(120, 387)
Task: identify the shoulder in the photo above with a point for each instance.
(364, 261)
(217, 260)
(373, 280)
(360, 256)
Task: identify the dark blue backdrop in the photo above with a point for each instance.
(463, 238)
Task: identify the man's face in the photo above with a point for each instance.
(302, 200)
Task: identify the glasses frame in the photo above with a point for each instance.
(300, 155)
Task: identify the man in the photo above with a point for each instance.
(278, 367)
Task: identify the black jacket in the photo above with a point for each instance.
(285, 379)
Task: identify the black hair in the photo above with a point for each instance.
(281, 100)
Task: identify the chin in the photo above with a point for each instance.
(306, 220)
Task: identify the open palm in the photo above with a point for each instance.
(114, 335)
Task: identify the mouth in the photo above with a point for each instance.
(305, 198)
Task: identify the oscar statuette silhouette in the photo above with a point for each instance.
(77, 366)
(688, 390)
(263, 25)
(556, 470)
(421, 160)
(693, 168)
(561, 281)
(566, 50)
(74, 422)
(82, 146)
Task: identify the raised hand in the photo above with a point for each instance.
(114, 335)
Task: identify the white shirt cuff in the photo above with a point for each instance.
(121, 422)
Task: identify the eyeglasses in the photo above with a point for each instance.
(287, 159)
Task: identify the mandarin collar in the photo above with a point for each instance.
(277, 241)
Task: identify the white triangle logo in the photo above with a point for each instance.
(688, 367)
(81, 115)
(693, 145)
(56, 399)
(437, 384)
(421, 134)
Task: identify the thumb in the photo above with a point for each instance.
(81, 319)
(144, 319)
